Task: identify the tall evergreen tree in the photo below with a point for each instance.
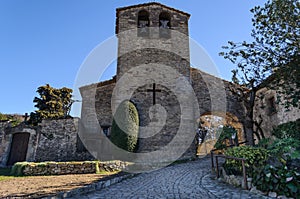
(52, 104)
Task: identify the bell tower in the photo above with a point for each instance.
(153, 72)
(153, 61)
(152, 32)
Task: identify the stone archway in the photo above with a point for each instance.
(212, 121)
(18, 149)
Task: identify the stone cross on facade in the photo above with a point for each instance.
(154, 90)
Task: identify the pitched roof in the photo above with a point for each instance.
(152, 3)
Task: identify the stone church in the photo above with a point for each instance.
(155, 74)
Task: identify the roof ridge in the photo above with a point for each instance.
(153, 3)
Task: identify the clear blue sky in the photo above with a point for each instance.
(46, 41)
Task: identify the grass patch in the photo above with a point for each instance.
(2, 178)
(5, 174)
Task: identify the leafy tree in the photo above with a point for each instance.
(273, 55)
(3, 117)
(225, 135)
(14, 119)
(125, 127)
(52, 104)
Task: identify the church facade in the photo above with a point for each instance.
(154, 73)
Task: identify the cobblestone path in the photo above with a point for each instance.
(187, 180)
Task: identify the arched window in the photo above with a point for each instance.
(164, 25)
(143, 23)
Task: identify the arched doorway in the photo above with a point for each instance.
(18, 149)
(212, 122)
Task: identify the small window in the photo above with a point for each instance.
(143, 24)
(272, 105)
(164, 25)
(106, 130)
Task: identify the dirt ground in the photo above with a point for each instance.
(39, 186)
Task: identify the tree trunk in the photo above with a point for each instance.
(249, 124)
(259, 131)
(249, 134)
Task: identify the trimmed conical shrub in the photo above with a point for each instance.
(125, 127)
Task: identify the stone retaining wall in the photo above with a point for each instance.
(60, 168)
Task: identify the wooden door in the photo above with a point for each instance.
(18, 149)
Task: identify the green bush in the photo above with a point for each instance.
(264, 143)
(17, 169)
(287, 130)
(255, 158)
(281, 180)
(285, 149)
(125, 127)
(225, 134)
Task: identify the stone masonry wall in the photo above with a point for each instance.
(103, 103)
(205, 87)
(6, 137)
(58, 141)
(144, 60)
(271, 115)
(4, 143)
(127, 17)
(208, 87)
(134, 50)
(143, 100)
(215, 97)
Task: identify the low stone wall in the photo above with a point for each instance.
(61, 168)
(112, 165)
(237, 181)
